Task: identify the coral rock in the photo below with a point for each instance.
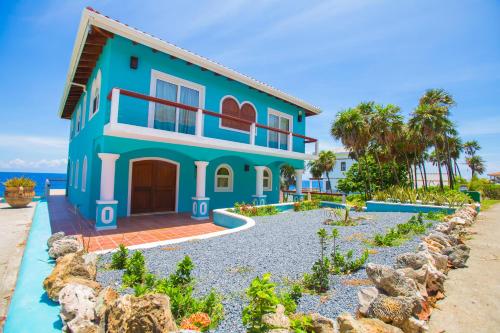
(277, 319)
(394, 283)
(393, 310)
(64, 246)
(57, 236)
(322, 324)
(457, 255)
(365, 298)
(77, 301)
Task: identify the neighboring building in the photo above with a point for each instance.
(495, 177)
(155, 128)
(342, 165)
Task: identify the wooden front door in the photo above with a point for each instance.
(153, 186)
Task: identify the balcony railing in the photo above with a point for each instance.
(200, 114)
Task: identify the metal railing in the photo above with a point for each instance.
(114, 96)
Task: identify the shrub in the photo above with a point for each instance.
(436, 216)
(119, 258)
(20, 181)
(491, 191)
(345, 264)
(431, 195)
(326, 197)
(306, 205)
(318, 280)
(135, 270)
(263, 300)
(301, 323)
(251, 210)
(402, 232)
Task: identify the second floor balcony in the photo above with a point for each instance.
(135, 115)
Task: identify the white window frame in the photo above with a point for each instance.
(78, 127)
(344, 165)
(96, 86)
(84, 174)
(77, 167)
(157, 75)
(280, 115)
(270, 180)
(84, 109)
(230, 179)
(71, 172)
(239, 106)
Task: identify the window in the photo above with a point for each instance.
(267, 180)
(84, 174)
(231, 107)
(343, 166)
(95, 95)
(70, 173)
(78, 115)
(283, 122)
(77, 167)
(174, 89)
(224, 178)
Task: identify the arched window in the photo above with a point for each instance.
(95, 95)
(267, 180)
(224, 178)
(84, 174)
(78, 119)
(77, 167)
(245, 111)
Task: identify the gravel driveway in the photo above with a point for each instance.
(286, 245)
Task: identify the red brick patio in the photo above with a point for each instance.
(134, 230)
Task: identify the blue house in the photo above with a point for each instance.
(156, 128)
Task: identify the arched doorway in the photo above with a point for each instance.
(153, 186)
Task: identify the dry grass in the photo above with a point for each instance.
(359, 236)
(357, 282)
(171, 248)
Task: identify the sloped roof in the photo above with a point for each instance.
(92, 18)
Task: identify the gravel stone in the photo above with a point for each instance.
(286, 245)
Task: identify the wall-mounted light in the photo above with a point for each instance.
(134, 62)
(300, 116)
(247, 167)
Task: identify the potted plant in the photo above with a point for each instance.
(19, 191)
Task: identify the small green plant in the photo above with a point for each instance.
(301, 323)
(436, 216)
(340, 217)
(252, 210)
(20, 181)
(402, 232)
(318, 280)
(306, 205)
(326, 197)
(346, 264)
(262, 300)
(135, 270)
(119, 258)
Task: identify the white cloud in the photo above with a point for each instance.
(19, 164)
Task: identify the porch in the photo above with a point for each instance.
(135, 231)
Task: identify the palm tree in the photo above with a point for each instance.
(287, 176)
(431, 119)
(456, 148)
(316, 170)
(326, 160)
(476, 164)
(471, 147)
(351, 128)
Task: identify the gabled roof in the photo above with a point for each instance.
(94, 23)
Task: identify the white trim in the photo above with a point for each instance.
(279, 114)
(239, 106)
(130, 166)
(84, 174)
(96, 84)
(84, 108)
(151, 134)
(77, 167)
(91, 17)
(71, 173)
(78, 119)
(270, 187)
(230, 178)
(158, 75)
(106, 202)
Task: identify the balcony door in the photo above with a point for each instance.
(283, 122)
(177, 90)
(153, 187)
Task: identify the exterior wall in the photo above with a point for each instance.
(135, 112)
(337, 173)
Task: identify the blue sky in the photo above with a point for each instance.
(333, 54)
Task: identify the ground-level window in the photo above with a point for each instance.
(177, 90)
(84, 174)
(77, 166)
(267, 180)
(245, 111)
(224, 178)
(280, 121)
(343, 166)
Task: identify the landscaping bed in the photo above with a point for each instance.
(285, 245)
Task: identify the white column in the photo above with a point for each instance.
(298, 180)
(316, 148)
(199, 123)
(108, 175)
(115, 102)
(201, 178)
(252, 134)
(259, 181)
(290, 141)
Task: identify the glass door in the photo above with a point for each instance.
(275, 139)
(165, 115)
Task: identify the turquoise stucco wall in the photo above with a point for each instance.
(115, 72)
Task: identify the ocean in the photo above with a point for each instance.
(57, 180)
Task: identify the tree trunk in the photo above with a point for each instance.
(393, 167)
(329, 182)
(381, 172)
(361, 172)
(368, 176)
(458, 169)
(438, 157)
(415, 174)
(425, 174)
